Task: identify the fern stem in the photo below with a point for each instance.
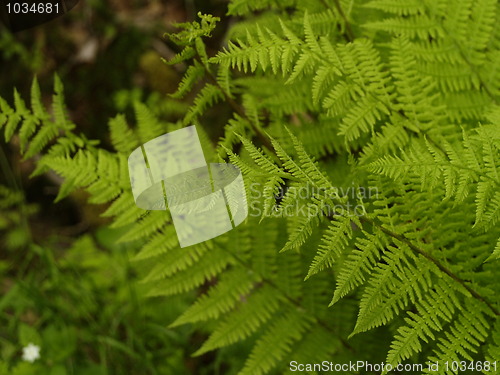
(348, 35)
(289, 299)
(238, 108)
(429, 257)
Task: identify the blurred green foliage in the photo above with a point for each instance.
(82, 306)
(80, 301)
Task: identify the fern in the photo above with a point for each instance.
(475, 162)
(323, 100)
(37, 128)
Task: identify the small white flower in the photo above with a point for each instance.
(31, 353)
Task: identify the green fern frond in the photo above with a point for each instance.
(148, 125)
(236, 125)
(40, 130)
(388, 140)
(190, 31)
(193, 74)
(124, 210)
(358, 265)
(259, 157)
(433, 312)
(496, 251)
(334, 241)
(207, 97)
(271, 190)
(396, 7)
(385, 296)
(147, 226)
(103, 174)
(475, 161)
(220, 300)
(186, 54)
(284, 332)
(467, 332)
(418, 25)
(303, 228)
(242, 7)
(259, 307)
(320, 137)
(122, 137)
(162, 241)
(416, 92)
